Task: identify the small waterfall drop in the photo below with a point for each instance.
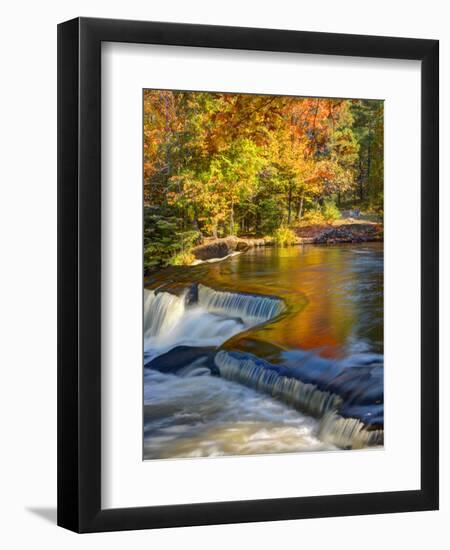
(169, 321)
(250, 308)
(334, 429)
(257, 374)
(348, 433)
(162, 311)
(209, 319)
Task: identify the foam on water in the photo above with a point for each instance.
(195, 415)
(170, 321)
(345, 433)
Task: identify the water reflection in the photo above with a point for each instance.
(334, 296)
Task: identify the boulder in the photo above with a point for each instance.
(183, 356)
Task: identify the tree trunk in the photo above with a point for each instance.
(289, 203)
(361, 179)
(300, 207)
(369, 158)
(167, 130)
(232, 218)
(195, 220)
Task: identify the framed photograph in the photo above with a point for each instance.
(247, 275)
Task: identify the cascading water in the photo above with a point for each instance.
(189, 416)
(251, 309)
(282, 384)
(200, 400)
(170, 321)
(258, 374)
(162, 311)
(348, 433)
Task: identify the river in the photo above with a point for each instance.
(273, 350)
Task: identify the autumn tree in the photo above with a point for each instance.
(223, 164)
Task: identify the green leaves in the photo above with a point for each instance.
(164, 241)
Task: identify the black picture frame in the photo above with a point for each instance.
(79, 274)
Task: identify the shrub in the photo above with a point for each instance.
(312, 217)
(319, 215)
(182, 258)
(331, 211)
(284, 236)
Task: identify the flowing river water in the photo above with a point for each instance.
(273, 350)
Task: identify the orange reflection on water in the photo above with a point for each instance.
(333, 295)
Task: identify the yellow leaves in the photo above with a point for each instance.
(205, 151)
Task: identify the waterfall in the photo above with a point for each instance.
(345, 433)
(198, 319)
(171, 321)
(250, 308)
(262, 376)
(162, 311)
(348, 433)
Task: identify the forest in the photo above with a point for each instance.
(221, 164)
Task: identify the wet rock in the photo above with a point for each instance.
(214, 249)
(192, 294)
(182, 356)
(219, 248)
(242, 246)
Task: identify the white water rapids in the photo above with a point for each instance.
(199, 416)
(248, 409)
(193, 414)
(216, 316)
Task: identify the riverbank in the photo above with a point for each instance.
(340, 231)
